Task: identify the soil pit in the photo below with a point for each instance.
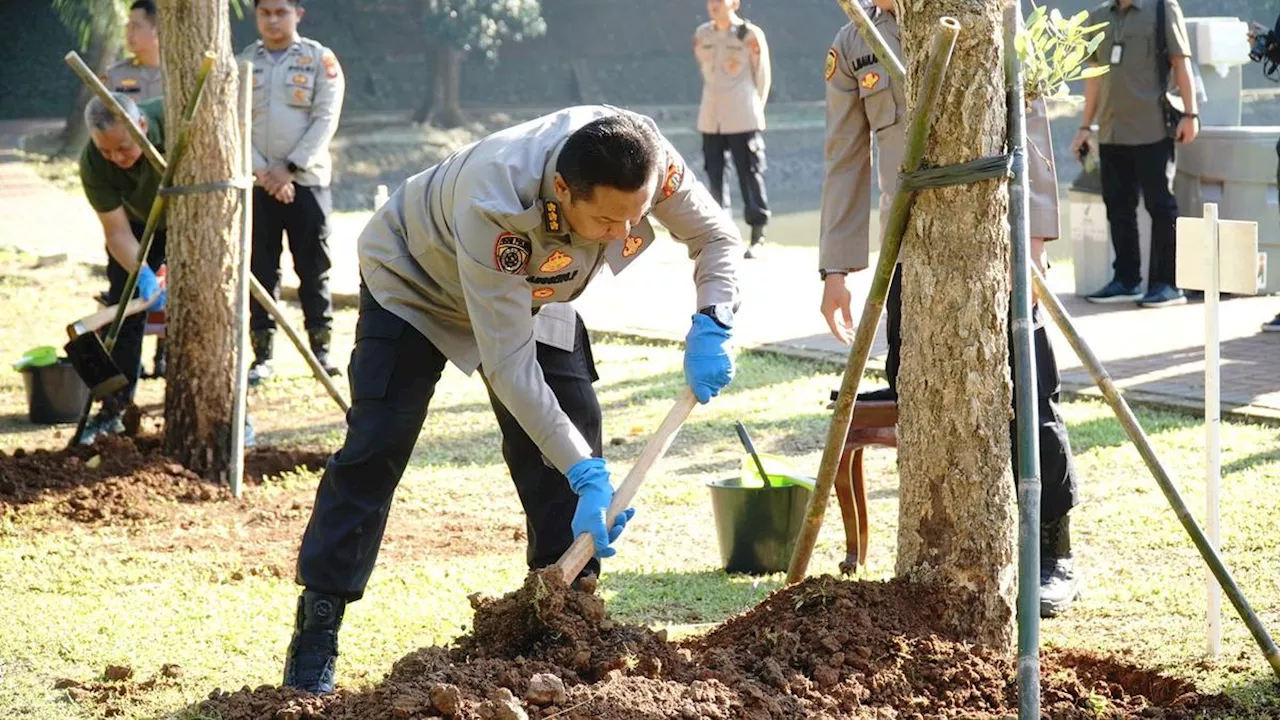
(821, 649)
(118, 477)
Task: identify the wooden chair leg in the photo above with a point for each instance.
(849, 508)
(859, 482)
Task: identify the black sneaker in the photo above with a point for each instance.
(756, 248)
(1272, 325)
(259, 372)
(106, 422)
(1059, 586)
(311, 661)
(1163, 295)
(1116, 292)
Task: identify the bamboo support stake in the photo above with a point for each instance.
(238, 409)
(944, 40)
(871, 34)
(1139, 439)
(157, 205)
(1024, 386)
(86, 75)
(265, 300)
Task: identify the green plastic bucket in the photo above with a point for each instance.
(55, 393)
(757, 526)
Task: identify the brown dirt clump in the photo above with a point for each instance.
(822, 649)
(121, 478)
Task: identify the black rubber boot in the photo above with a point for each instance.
(161, 360)
(260, 370)
(1059, 586)
(313, 652)
(757, 242)
(320, 339)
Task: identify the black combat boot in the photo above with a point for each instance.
(161, 360)
(313, 652)
(757, 242)
(260, 370)
(1059, 586)
(320, 339)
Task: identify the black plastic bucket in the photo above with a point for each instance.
(757, 526)
(55, 393)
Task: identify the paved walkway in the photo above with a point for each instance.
(1153, 355)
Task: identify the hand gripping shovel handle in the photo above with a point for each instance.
(578, 554)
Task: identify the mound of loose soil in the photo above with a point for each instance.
(821, 649)
(120, 478)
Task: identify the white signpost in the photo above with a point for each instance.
(1216, 256)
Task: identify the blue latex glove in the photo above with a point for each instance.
(149, 287)
(590, 480)
(708, 367)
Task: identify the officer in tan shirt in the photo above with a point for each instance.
(862, 104)
(1135, 143)
(734, 59)
(297, 97)
(140, 76)
(473, 262)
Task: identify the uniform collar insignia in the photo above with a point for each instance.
(552, 220)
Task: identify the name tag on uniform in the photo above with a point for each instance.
(1117, 52)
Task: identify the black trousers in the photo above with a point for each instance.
(393, 373)
(747, 150)
(1126, 171)
(306, 220)
(1059, 489)
(127, 352)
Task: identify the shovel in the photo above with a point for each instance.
(89, 356)
(578, 554)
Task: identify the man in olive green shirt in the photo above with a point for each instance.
(1136, 145)
(121, 185)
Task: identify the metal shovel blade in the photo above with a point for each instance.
(94, 365)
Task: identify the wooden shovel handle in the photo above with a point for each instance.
(578, 554)
(102, 318)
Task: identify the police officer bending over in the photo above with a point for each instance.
(862, 103)
(297, 97)
(473, 262)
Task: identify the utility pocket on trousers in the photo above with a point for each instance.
(374, 359)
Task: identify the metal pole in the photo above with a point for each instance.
(944, 40)
(1024, 385)
(1139, 439)
(1212, 426)
(242, 281)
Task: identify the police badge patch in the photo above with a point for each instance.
(675, 176)
(511, 253)
(831, 64)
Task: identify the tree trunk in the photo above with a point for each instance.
(105, 42)
(957, 517)
(203, 254)
(445, 109)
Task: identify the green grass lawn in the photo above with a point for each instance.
(210, 588)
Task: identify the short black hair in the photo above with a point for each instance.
(146, 6)
(618, 151)
(295, 3)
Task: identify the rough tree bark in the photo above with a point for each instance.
(957, 517)
(203, 255)
(442, 108)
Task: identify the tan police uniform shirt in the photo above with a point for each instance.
(468, 250)
(736, 76)
(134, 79)
(296, 103)
(1129, 111)
(861, 102)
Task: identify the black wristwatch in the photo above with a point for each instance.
(292, 167)
(721, 313)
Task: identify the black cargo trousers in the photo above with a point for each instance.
(1059, 488)
(127, 352)
(747, 150)
(393, 374)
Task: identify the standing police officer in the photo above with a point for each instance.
(1135, 143)
(297, 97)
(473, 262)
(121, 185)
(734, 59)
(862, 103)
(140, 76)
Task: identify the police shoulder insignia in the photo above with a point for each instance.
(511, 253)
(632, 245)
(871, 80)
(551, 216)
(831, 64)
(674, 177)
(330, 61)
(543, 293)
(556, 262)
